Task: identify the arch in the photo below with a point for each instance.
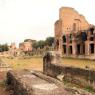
(74, 26)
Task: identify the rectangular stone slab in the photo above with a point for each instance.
(31, 83)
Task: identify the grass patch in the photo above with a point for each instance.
(21, 63)
(37, 62)
(2, 83)
(80, 63)
(89, 89)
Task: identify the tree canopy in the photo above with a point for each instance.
(4, 48)
(49, 41)
(42, 43)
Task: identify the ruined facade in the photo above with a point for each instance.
(26, 45)
(74, 36)
(13, 49)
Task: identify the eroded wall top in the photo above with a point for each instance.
(71, 21)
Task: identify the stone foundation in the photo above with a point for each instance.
(34, 83)
(26, 82)
(78, 76)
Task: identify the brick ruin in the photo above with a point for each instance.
(27, 82)
(26, 46)
(74, 36)
(78, 76)
(51, 80)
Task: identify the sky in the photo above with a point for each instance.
(34, 19)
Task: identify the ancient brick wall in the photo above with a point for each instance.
(69, 26)
(71, 74)
(69, 17)
(82, 77)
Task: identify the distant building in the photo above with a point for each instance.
(26, 45)
(74, 36)
(12, 49)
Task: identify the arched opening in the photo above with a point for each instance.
(91, 31)
(91, 48)
(78, 49)
(74, 26)
(83, 48)
(64, 39)
(64, 49)
(70, 49)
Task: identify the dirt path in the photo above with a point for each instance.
(3, 90)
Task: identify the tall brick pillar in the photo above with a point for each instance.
(87, 47)
(60, 49)
(74, 46)
(87, 44)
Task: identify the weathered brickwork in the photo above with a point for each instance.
(82, 77)
(27, 82)
(74, 36)
(26, 45)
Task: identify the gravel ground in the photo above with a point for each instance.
(3, 90)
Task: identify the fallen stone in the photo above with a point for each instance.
(35, 83)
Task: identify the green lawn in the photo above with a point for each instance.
(37, 63)
(17, 64)
(78, 63)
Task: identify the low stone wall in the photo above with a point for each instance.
(15, 84)
(88, 57)
(34, 83)
(26, 82)
(81, 77)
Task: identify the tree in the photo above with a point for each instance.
(49, 41)
(35, 45)
(4, 48)
(39, 44)
(26, 40)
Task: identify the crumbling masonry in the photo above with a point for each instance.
(74, 36)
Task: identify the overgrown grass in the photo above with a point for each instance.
(37, 62)
(3, 83)
(89, 89)
(24, 63)
(81, 63)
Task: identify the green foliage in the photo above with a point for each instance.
(4, 48)
(26, 40)
(42, 43)
(29, 40)
(35, 45)
(89, 89)
(39, 44)
(49, 41)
